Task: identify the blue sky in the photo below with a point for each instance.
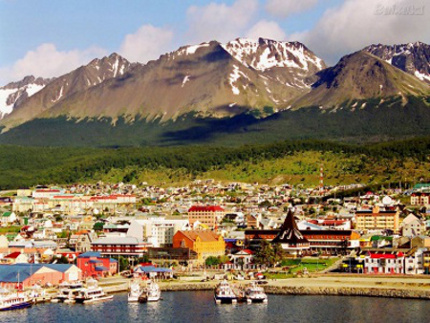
(50, 38)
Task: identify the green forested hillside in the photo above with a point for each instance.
(287, 161)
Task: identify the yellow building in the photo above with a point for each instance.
(377, 219)
(204, 243)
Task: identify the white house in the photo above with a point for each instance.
(8, 218)
(413, 226)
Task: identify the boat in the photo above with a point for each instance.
(38, 294)
(68, 292)
(224, 293)
(92, 293)
(13, 301)
(151, 293)
(135, 291)
(255, 294)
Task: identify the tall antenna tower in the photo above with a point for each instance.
(321, 179)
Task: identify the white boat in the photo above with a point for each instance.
(38, 294)
(68, 292)
(224, 293)
(92, 293)
(135, 291)
(255, 294)
(13, 301)
(151, 293)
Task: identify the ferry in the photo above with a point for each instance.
(224, 294)
(68, 292)
(13, 301)
(135, 291)
(92, 293)
(151, 293)
(255, 294)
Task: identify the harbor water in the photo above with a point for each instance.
(199, 306)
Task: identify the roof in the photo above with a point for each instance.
(209, 208)
(152, 269)
(289, 232)
(204, 235)
(7, 214)
(13, 255)
(101, 268)
(118, 240)
(89, 254)
(9, 273)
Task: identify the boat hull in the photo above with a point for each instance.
(93, 300)
(225, 300)
(17, 306)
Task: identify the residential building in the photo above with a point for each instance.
(420, 199)
(377, 219)
(8, 218)
(81, 241)
(205, 243)
(158, 231)
(413, 226)
(208, 216)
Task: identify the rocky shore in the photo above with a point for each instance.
(348, 291)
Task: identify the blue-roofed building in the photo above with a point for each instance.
(26, 275)
(153, 272)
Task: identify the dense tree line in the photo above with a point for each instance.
(27, 166)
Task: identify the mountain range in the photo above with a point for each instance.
(241, 91)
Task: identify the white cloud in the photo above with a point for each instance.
(218, 21)
(284, 8)
(147, 43)
(47, 61)
(266, 29)
(358, 23)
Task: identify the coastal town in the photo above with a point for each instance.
(51, 235)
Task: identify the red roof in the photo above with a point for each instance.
(385, 256)
(211, 208)
(249, 252)
(13, 255)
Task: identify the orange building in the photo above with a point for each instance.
(204, 243)
(208, 216)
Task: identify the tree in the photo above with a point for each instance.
(212, 261)
(98, 226)
(123, 263)
(268, 254)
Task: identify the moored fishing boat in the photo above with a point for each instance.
(135, 291)
(255, 294)
(224, 294)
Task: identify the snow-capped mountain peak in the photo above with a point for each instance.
(413, 58)
(15, 92)
(263, 54)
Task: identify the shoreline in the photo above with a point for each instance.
(322, 285)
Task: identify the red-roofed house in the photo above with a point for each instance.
(206, 215)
